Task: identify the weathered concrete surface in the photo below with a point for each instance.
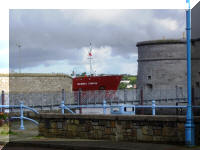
(161, 129)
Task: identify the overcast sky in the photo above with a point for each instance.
(58, 40)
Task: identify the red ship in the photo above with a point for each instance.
(90, 83)
(96, 83)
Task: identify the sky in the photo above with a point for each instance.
(58, 41)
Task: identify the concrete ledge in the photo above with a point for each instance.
(116, 117)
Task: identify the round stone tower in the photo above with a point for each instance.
(162, 70)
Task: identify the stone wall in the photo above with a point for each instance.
(34, 82)
(160, 129)
(35, 88)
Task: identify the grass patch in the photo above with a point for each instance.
(4, 130)
(8, 133)
(38, 137)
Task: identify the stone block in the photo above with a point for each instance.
(157, 132)
(128, 131)
(133, 132)
(114, 130)
(128, 125)
(83, 135)
(169, 132)
(71, 127)
(108, 131)
(95, 123)
(119, 137)
(112, 138)
(181, 126)
(76, 122)
(82, 129)
(112, 124)
(146, 130)
(139, 134)
(157, 138)
(59, 125)
(68, 121)
(102, 122)
(53, 125)
(108, 124)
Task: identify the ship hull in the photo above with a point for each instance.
(96, 83)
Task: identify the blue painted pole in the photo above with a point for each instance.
(21, 116)
(153, 108)
(189, 126)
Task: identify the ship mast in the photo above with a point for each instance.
(90, 58)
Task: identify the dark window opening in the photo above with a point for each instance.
(149, 77)
(197, 84)
(150, 86)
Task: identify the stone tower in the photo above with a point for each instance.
(162, 68)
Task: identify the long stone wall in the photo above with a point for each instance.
(34, 82)
(35, 88)
(159, 129)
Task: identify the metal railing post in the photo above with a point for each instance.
(62, 107)
(104, 107)
(153, 108)
(21, 116)
(134, 110)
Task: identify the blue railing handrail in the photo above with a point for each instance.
(105, 106)
(21, 107)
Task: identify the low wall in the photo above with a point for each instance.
(160, 129)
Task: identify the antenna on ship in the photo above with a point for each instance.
(90, 59)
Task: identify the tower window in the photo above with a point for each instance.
(150, 86)
(149, 77)
(197, 84)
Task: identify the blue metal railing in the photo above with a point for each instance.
(21, 117)
(122, 108)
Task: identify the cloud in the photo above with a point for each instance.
(169, 24)
(50, 36)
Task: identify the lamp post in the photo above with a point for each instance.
(189, 126)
